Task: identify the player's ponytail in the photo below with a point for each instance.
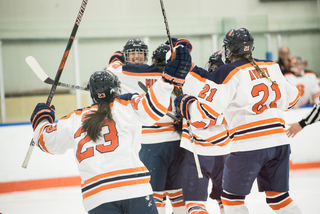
(254, 64)
(94, 122)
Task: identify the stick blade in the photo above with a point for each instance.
(36, 68)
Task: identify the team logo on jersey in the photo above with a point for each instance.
(101, 95)
(246, 48)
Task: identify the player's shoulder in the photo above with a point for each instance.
(224, 73)
(310, 73)
(141, 70)
(221, 74)
(115, 67)
(80, 111)
(199, 73)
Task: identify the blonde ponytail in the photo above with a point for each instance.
(254, 64)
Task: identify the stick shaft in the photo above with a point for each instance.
(60, 69)
(167, 25)
(66, 52)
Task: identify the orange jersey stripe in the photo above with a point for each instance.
(144, 131)
(115, 185)
(259, 134)
(113, 173)
(298, 96)
(198, 77)
(164, 124)
(141, 74)
(40, 137)
(207, 108)
(256, 123)
(156, 102)
(123, 102)
(149, 112)
(211, 144)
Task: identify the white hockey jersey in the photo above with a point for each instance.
(308, 86)
(211, 137)
(129, 76)
(252, 105)
(110, 168)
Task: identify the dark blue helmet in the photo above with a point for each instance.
(103, 86)
(159, 55)
(215, 61)
(237, 42)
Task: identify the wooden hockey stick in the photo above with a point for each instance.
(37, 69)
(60, 69)
(196, 158)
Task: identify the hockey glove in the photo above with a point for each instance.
(117, 56)
(181, 103)
(180, 41)
(177, 69)
(42, 111)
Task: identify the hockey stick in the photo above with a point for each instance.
(60, 69)
(36, 68)
(167, 27)
(196, 158)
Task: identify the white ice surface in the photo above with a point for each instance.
(304, 190)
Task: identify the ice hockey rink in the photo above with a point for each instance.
(38, 189)
(304, 189)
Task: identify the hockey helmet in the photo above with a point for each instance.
(103, 85)
(237, 42)
(159, 55)
(135, 45)
(215, 61)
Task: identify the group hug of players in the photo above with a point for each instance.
(133, 146)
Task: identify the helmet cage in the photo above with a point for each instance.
(103, 86)
(135, 45)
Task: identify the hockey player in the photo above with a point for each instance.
(252, 94)
(305, 81)
(105, 138)
(211, 142)
(135, 52)
(312, 117)
(160, 150)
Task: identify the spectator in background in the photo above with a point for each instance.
(284, 60)
(305, 80)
